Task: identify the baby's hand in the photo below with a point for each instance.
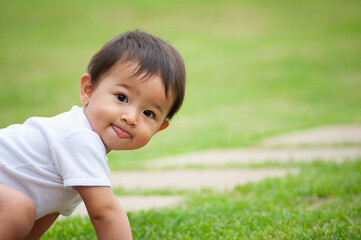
(108, 217)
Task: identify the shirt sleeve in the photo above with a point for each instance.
(80, 159)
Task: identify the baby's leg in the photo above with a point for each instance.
(17, 213)
(41, 225)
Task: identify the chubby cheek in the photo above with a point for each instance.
(142, 141)
(104, 113)
(144, 137)
(94, 119)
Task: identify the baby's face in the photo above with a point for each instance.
(125, 112)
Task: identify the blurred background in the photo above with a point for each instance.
(254, 68)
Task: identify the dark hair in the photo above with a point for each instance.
(154, 57)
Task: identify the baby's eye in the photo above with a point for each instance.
(149, 113)
(122, 98)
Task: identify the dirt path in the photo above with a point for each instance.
(332, 134)
(136, 203)
(219, 179)
(258, 155)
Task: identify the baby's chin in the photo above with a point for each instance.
(126, 147)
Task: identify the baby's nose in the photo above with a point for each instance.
(130, 117)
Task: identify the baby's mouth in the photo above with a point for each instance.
(120, 132)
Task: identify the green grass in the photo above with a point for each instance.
(323, 201)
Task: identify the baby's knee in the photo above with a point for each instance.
(22, 211)
(16, 202)
(17, 213)
(25, 207)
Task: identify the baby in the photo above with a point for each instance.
(134, 86)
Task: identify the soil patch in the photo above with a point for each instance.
(333, 134)
(258, 155)
(220, 179)
(136, 203)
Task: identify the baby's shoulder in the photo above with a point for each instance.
(66, 123)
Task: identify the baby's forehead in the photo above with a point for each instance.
(132, 70)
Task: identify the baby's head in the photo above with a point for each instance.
(153, 56)
(134, 86)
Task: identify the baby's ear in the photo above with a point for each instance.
(86, 89)
(164, 125)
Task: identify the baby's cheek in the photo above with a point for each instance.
(145, 137)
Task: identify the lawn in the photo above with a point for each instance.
(254, 69)
(322, 202)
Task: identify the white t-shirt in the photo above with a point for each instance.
(45, 157)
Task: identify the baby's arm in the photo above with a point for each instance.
(108, 217)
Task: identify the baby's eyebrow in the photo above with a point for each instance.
(124, 85)
(157, 106)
